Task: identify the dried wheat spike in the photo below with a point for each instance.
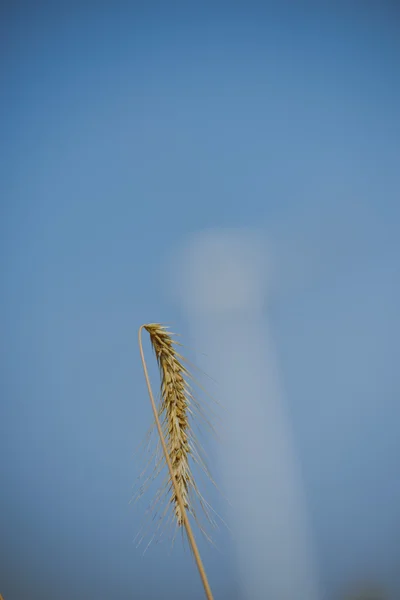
(174, 412)
(176, 437)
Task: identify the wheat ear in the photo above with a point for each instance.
(175, 444)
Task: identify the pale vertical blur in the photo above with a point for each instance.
(224, 290)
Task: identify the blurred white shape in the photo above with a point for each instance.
(224, 289)
(224, 271)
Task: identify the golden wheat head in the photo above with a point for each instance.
(174, 413)
(177, 410)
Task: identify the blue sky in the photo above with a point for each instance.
(124, 131)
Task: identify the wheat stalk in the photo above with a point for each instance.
(172, 421)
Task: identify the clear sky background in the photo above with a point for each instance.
(124, 131)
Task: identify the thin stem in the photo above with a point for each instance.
(185, 518)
